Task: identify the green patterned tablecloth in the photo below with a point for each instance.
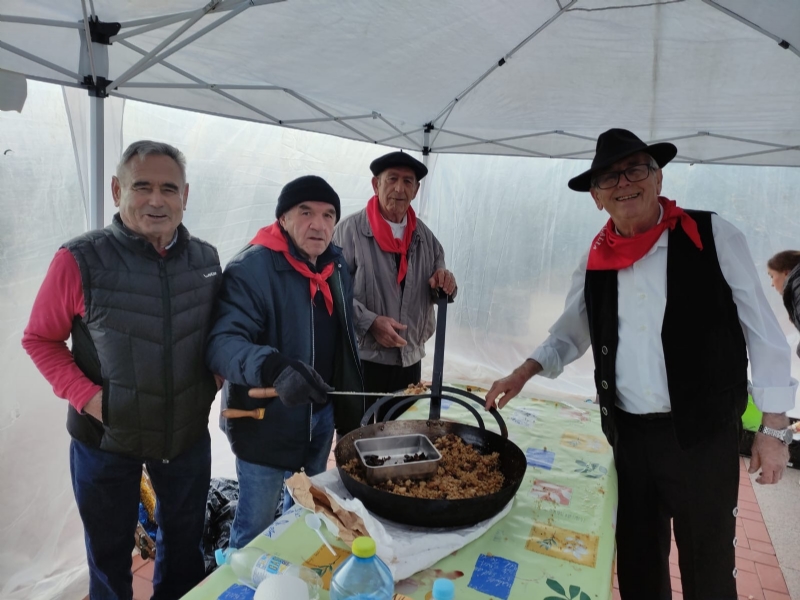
(556, 543)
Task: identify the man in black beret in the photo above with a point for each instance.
(671, 304)
(284, 320)
(395, 261)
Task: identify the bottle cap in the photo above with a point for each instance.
(443, 589)
(364, 547)
(220, 556)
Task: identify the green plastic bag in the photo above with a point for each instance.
(751, 418)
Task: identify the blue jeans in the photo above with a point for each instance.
(260, 486)
(106, 488)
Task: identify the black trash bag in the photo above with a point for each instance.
(223, 496)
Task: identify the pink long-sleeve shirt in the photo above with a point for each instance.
(59, 301)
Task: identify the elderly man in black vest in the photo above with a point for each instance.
(671, 304)
(136, 298)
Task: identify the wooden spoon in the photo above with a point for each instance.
(256, 413)
(237, 413)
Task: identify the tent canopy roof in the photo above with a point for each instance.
(522, 77)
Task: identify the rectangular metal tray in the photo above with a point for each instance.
(394, 448)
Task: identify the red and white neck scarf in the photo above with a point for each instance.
(272, 237)
(385, 238)
(612, 252)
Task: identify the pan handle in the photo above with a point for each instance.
(402, 400)
(464, 403)
(493, 411)
(441, 300)
(459, 396)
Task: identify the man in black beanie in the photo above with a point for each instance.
(284, 321)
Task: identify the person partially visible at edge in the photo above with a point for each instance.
(671, 304)
(284, 319)
(395, 261)
(136, 297)
(784, 271)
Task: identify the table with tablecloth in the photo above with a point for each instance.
(557, 542)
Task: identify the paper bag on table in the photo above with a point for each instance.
(350, 525)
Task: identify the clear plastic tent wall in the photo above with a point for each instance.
(512, 231)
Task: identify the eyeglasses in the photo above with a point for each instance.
(632, 174)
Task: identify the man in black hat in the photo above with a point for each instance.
(671, 304)
(395, 261)
(284, 319)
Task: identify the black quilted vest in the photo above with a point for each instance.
(143, 339)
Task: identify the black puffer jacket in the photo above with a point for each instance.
(791, 298)
(143, 338)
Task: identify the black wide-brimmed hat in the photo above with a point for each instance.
(614, 145)
(398, 159)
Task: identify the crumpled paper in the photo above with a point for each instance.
(345, 524)
(405, 549)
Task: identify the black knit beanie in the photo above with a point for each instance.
(309, 188)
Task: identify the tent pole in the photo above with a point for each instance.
(93, 67)
(426, 150)
(96, 163)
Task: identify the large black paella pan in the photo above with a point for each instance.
(425, 512)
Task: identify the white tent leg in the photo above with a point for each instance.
(96, 162)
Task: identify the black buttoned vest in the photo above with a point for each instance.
(704, 347)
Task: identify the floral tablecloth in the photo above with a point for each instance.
(556, 543)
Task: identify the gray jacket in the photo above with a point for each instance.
(377, 293)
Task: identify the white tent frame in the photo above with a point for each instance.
(94, 67)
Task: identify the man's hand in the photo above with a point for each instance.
(769, 454)
(511, 385)
(300, 384)
(444, 279)
(384, 330)
(296, 382)
(94, 407)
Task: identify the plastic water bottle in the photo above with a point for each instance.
(443, 589)
(252, 566)
(363, 576)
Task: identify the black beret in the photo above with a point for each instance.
(398, 159)
(309, 188)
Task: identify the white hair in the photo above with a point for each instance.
(144, 148)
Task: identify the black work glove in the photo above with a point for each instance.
(295, 382)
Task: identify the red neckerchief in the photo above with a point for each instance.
(613, 252)
(272, 237)
(385, 238)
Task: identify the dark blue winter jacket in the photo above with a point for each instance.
(264, 306)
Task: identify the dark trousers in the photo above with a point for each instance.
(389, 378)
(696, 488)
(106, 487)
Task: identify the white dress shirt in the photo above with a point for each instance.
(642, 290)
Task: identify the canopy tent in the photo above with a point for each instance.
(530, 78)
(720, 79)
(522, 78)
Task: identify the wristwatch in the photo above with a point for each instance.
(784, 435)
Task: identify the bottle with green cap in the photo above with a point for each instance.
(363, 576)
(443, 589)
